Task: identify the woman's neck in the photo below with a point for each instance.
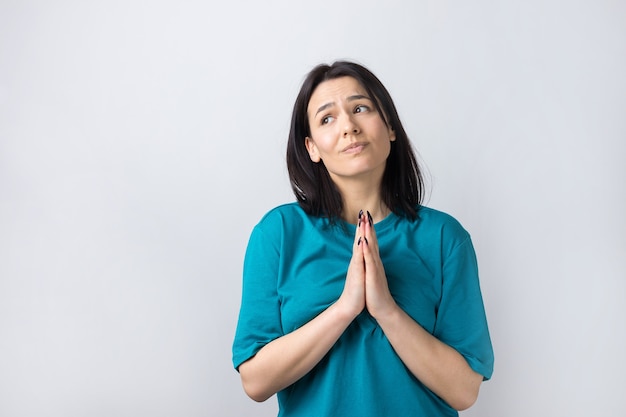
(362, 195)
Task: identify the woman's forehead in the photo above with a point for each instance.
(335, 89)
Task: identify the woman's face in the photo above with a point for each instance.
(347, 133)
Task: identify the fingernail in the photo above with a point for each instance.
(360, 215)
(369, 218)
(359, 242)
(366, 242)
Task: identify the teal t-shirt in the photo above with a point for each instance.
(295, 267)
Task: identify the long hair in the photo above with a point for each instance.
(402, 187)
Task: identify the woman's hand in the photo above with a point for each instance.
(366, 283)
(378, 299)
(353, 296)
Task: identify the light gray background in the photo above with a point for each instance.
(140, 141)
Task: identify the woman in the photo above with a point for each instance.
(357, 300)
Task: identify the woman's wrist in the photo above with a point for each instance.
(345, 310)
(389, 313)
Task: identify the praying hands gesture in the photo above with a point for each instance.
(366, 283)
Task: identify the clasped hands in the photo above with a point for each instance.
(366, 283)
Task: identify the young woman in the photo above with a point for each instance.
(357, 300)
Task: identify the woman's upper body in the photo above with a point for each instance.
(295, 268)
(317, 319)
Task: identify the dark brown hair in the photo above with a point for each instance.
(402, 187)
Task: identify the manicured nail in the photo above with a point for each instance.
(365, 239)
(369, 218)
(360, 215)
(359, 242)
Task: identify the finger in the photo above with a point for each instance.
(370, 234)
(360, 227)
(369, 252)
(370, 225)
(369, 247)
(357, 263)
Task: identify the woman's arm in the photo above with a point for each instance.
(283, 361)
(288, 358)
(438, 366)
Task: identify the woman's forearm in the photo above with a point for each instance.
(438, 366)
(283, 361)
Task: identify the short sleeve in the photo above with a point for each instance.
(461, 320)
(259, 315)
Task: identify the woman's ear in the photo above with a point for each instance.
(392, 134)
(312, 149)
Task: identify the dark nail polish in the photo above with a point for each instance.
(365, 239)
(359, 242)
(360, 216)
(369, 218)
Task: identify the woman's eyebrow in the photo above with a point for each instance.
(324, 107)
(350, 98)
(358, 97)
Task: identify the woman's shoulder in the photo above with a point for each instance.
(433, 215)
(283, 218)
(440, 221)
(287, 211)
(287, 221)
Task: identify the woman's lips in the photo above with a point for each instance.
(354, 147)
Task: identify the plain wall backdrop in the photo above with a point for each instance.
(140, 142)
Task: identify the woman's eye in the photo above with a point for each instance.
(327, 119)
(362, 108)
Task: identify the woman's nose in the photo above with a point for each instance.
(350, 128)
